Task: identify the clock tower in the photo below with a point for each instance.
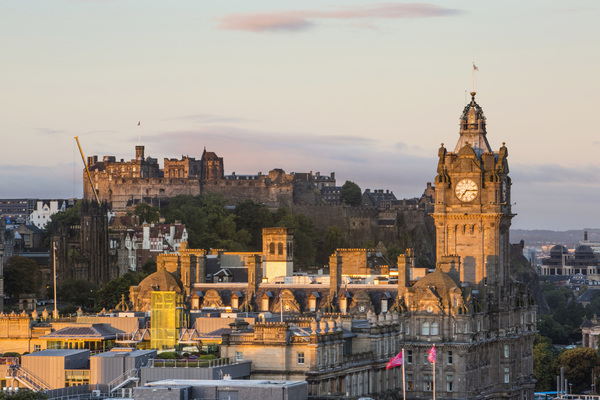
(472, 208)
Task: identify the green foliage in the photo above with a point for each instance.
(11, 354)
(67, 310)
(167, 355)
(208, 223)
(23, 394)
(578, 364)
(146, 213)
(333, 240)
(70, 217)
(393, 252)
(306, 237)
(253, 217)
(110, 295)
(544, 363)
(79, 292)
(208, 357)
(351, 193)
(547, 326)
(149, 267)
(563, 326)
(369, 244)
(21, 276)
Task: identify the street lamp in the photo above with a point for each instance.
(570, 388)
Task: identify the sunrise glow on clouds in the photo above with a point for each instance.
(299, 20)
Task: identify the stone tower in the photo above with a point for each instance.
(472, 206)
(278, 252)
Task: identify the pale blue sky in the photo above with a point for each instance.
(366, 89)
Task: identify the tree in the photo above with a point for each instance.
(207, 221)
(351, 193)
(393, 252)
(578, 364)
(306, 237)
(369, 244)
(149, 267)
(23, 394)
(79, 292)
(253, 217)
(544, 363)
(146, 213)
(110, 295)
(333, 240)
(21, 275)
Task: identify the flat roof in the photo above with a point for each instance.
(125, 353)
(225, 383)
(56, 353)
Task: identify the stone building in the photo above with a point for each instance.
(83, 251)
(590, 329)
(562, 262)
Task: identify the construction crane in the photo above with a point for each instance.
(87, 170)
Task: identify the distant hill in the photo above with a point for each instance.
(545, 237)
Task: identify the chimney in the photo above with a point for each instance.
(139, 153)
(201, 268)
(255, 274)
(335, 274)
(404, 266)
(585, 236)
(333, 175)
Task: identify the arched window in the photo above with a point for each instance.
(435, 328)
(272, 248)
(280, 248)
(425, 329)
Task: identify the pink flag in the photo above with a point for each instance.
(431, 357)
(394, 361)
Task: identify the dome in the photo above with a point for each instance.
(558, 251)
(441, 280)
(584, 251)
(161, 280)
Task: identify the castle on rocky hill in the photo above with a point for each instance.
(125, 183)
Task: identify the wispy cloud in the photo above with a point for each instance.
(299, 20)
(210, 119)
(48, 131)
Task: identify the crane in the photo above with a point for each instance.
(87, 170)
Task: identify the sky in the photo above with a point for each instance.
(368, 90)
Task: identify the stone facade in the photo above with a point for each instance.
(83, 251)
(278, 250)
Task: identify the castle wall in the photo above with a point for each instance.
(259, 190)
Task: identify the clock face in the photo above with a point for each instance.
(429, 309)
(466, 190)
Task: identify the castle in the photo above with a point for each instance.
(125, 183)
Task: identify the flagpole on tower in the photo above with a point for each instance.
(473, 77)
(403, 378)
(139, 133)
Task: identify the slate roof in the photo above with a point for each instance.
(588, 295)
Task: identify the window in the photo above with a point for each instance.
(449, 357)
(239, 356)
(507, 375)
(272, 248)
(280, 249)
(235, 303)
(312, 304)
(425, 360)
(343, 304)
(506, 351)
(522, 319)
(407, 331)
(37, 347)
(409, 356)
(409, 381)
(300, 357)
(478, 326)
(384, 305)
(427, 383)
(425, 329)
(435, 328)
(265, 304)
(449, 383)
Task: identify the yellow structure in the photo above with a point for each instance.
(167, 318)
(278, 252)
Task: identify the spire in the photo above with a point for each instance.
(473, 129)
